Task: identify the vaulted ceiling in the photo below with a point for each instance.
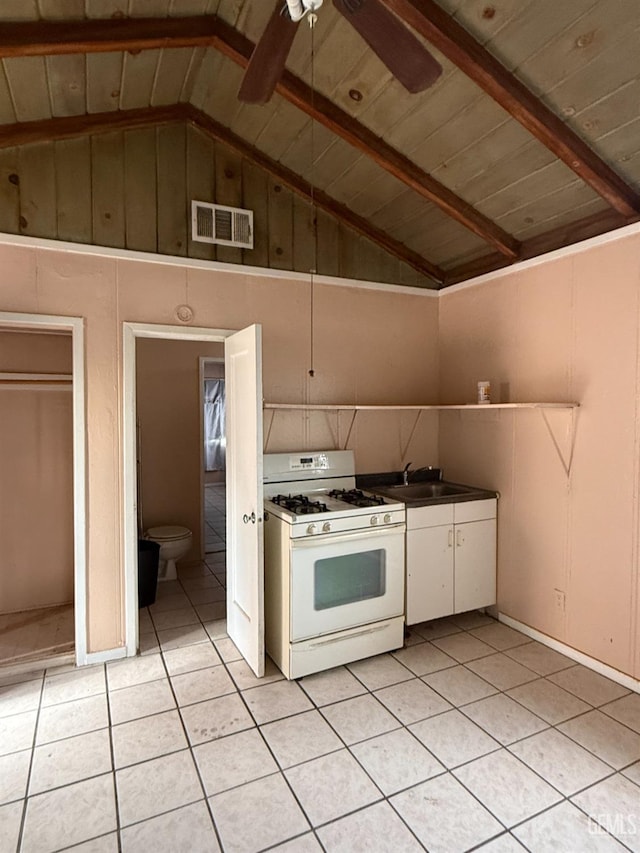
(528, 141)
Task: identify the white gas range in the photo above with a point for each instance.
(334, 564)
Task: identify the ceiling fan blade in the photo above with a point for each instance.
(403, 54)
(269, 57)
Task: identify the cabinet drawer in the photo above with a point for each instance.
(429, 516)
(475, 510)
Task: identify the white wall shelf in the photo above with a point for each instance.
(354, 408)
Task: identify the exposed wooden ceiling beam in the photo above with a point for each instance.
(556, 238)
(42, 38)
(68, 127)
(459, 46)
(72, 126)
(46, 38)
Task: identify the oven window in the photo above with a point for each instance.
(348, 578)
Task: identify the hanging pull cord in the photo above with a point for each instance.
(312, 18)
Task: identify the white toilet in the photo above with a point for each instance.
(174, 542)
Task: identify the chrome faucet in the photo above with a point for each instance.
(405, 474)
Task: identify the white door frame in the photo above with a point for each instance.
(75, 325)
(131, 331)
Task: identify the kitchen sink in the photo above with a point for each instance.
(428, 490)
(431, 491)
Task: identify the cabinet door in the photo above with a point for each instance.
(429, 573)
(475, 565)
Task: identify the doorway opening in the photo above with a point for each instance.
(163, 430)
(213, 459)
(42, 458)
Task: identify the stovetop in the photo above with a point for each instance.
(333, 500)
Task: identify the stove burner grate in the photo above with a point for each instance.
(356, 497)
(299, 504)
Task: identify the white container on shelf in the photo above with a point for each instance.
(484, 392)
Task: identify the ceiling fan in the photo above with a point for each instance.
(403, 54)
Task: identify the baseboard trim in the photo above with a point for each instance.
(579, 657)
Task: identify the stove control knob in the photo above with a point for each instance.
(326, 527)
(374, 520)
(387, 518)
(311, 528)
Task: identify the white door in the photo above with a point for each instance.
(245, 544)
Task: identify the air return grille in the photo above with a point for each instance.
(229, 226)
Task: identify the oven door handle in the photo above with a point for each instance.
(329, 641)
(313, 541)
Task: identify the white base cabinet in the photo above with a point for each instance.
(451, 559)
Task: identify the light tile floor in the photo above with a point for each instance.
(215, 517)
(471, 737)
(32, 634)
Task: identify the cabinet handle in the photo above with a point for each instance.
(459, 539)
(450, 538)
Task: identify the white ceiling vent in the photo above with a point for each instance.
(214, 223)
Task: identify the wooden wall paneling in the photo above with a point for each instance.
(58, 9)
(141, 190)
(370, 264)
(107, 185)
(20, 10)
(201, 185)
(104, 80)
(328, 244)
(173, 216)
(349, 252)
(73, 189)
(444, 239)
(304, 236)
(173, 68)
(149, 8)
(255, 197)
(27, 79)
(38, 190)
(138, 76)
(624, 147)
(228, 172)
(67, 84)
(7, 111)
(9, 191)
(103, 8)
(280, 226)
(400, 209)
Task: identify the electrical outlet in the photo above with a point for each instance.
(559, 593)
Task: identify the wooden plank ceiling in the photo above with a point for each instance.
(529, 140)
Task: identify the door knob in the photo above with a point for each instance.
(249, 518)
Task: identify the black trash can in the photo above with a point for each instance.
(148, 557)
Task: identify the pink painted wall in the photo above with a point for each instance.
(567, 329)
(169, 414)
(370, 346)
(36, 477)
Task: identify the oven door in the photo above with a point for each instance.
(344, 580)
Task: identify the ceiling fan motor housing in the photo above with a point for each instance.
(299, 8)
